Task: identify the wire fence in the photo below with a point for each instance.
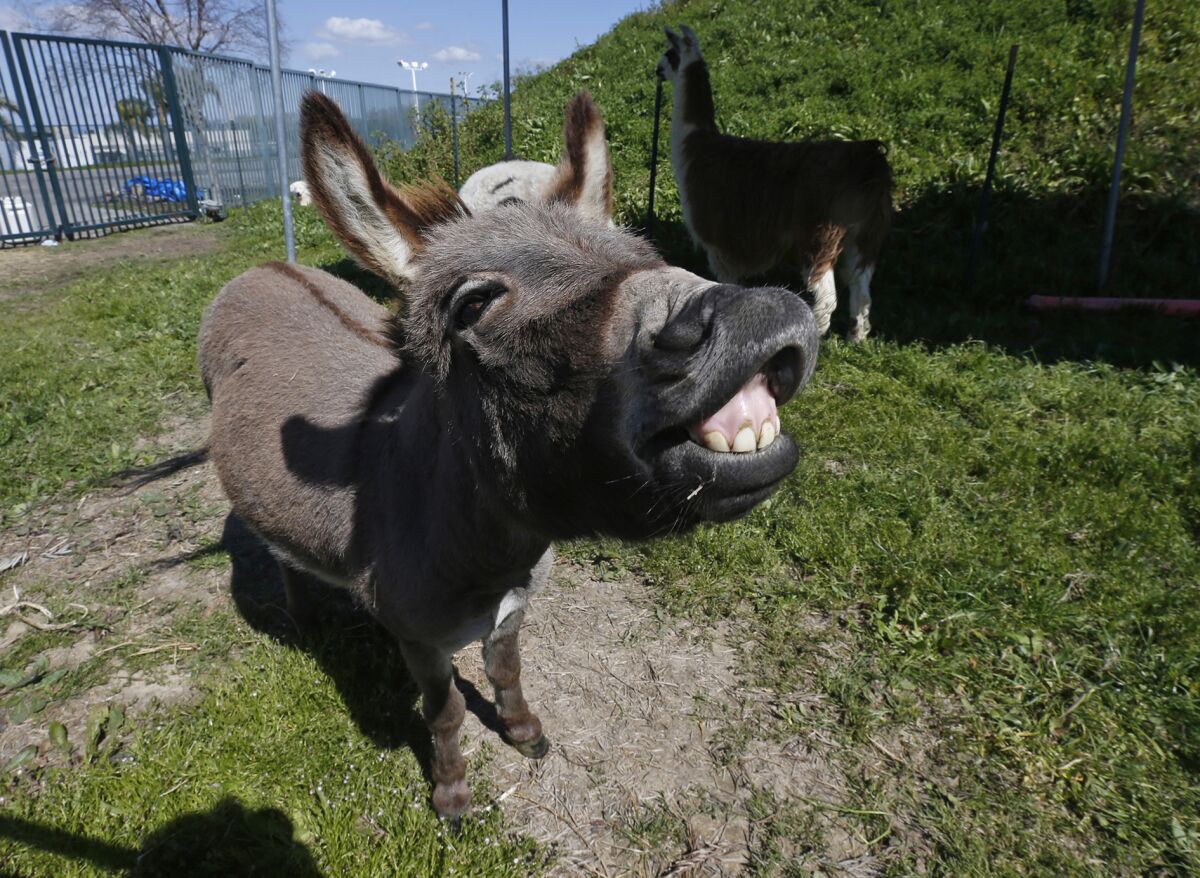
(100, 134)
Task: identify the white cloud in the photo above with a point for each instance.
(425, 25)
(12, 19)
(455, 53)
(319, 51)
(360, 30)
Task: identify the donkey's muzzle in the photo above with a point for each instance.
(728, 360)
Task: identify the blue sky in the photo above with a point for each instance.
(364, 38)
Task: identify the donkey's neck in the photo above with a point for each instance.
(693, 108)
(454, 523)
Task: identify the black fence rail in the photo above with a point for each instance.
(100, 135)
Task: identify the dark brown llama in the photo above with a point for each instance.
(754, 204)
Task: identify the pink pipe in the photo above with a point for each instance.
(1170, 307)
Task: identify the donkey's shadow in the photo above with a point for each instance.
(356, 652)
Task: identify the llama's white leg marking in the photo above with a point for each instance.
(860, 302)
(824, 293)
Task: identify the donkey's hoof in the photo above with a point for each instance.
(534, 749)
(452, 800)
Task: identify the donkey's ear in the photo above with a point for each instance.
(584, 176)
(690, 40)
(383, 227)
(673, 38)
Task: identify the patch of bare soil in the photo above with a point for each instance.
(33, 269)
(106, 574)
(659, 748)
(648, 720)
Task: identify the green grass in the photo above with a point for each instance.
(1016, 543)
(90, 369)
(268, 775)
(995, 518)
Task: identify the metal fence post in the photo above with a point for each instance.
(1114, 191)
(64, 222)
(985, 198)
(179, 128)
(55, 228)
(454, 128)
(507, 96)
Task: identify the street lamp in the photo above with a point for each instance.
(466, 79)
(322, 74)
(412, 67)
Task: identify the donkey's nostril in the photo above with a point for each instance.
(690, 328)
(680, 335)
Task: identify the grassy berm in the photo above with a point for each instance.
(980, 589)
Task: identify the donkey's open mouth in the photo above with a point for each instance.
(749, 420)
(726, 451)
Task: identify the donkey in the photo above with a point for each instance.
(547, 377)
(536, 181)
(753, 204)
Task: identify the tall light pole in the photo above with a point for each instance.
(412, 67)
(289, 236)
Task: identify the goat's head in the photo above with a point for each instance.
(683, 49)
(591, 386)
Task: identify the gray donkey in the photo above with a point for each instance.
(547, 377)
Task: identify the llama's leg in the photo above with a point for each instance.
(860, 303)
(444, 708)
(502, 664)
(824, 292)
(855, 274)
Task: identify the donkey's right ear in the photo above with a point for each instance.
(383, 227)
(673, 38)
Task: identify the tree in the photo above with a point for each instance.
(200, 25)
(134, 112)
(7, 128)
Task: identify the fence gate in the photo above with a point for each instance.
(102, 140)
(100, 134)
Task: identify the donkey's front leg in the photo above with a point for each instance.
(444, 708)
(502, 664)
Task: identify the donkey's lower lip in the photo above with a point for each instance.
(725, 486)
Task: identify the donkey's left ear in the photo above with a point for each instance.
(383, 227)
(584, 176)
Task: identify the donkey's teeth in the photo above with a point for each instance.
(767, 436)
(747, 412)
(744, 441)
(716, 441)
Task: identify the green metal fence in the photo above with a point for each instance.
(100, 134)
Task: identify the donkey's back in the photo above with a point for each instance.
(290, 356)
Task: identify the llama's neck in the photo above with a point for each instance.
(693, 106)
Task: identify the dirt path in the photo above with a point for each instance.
(33, 269)
(659, 750)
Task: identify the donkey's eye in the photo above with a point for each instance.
(472, 304)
